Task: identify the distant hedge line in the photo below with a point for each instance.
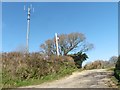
(19, 67)
(117, 69)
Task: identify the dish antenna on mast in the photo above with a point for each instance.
(29, 9)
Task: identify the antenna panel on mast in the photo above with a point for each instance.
(24, 8)
(33, 10)
(31, 6)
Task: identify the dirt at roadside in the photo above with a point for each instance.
(97, 78)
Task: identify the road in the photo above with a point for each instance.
(97, 78)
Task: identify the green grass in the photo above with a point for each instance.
(54, 76)
(0, 80)
(113, 78)
(115, 81)
(111, 69)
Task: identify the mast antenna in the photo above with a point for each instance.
(29, 9)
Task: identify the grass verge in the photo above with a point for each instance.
(115, 81)
(111, 69)
(113, 78)
(54, 76)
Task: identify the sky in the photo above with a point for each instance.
(98, 21)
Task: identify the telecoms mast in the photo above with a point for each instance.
(56, 42)
(28, 25)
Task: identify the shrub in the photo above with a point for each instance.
(79, 58)
(117, 69)
(20, 67)
(94, 65)
(118, 64)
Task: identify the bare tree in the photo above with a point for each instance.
(67, 43)
(21, 48)
(48, 47)
(113, 59)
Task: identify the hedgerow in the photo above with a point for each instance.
(117, 69)
(18, 67)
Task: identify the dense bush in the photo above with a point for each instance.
(118, 64)
(94, 65)
(79, 58)
(117, 69)
(19, 66)
(100, 64)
